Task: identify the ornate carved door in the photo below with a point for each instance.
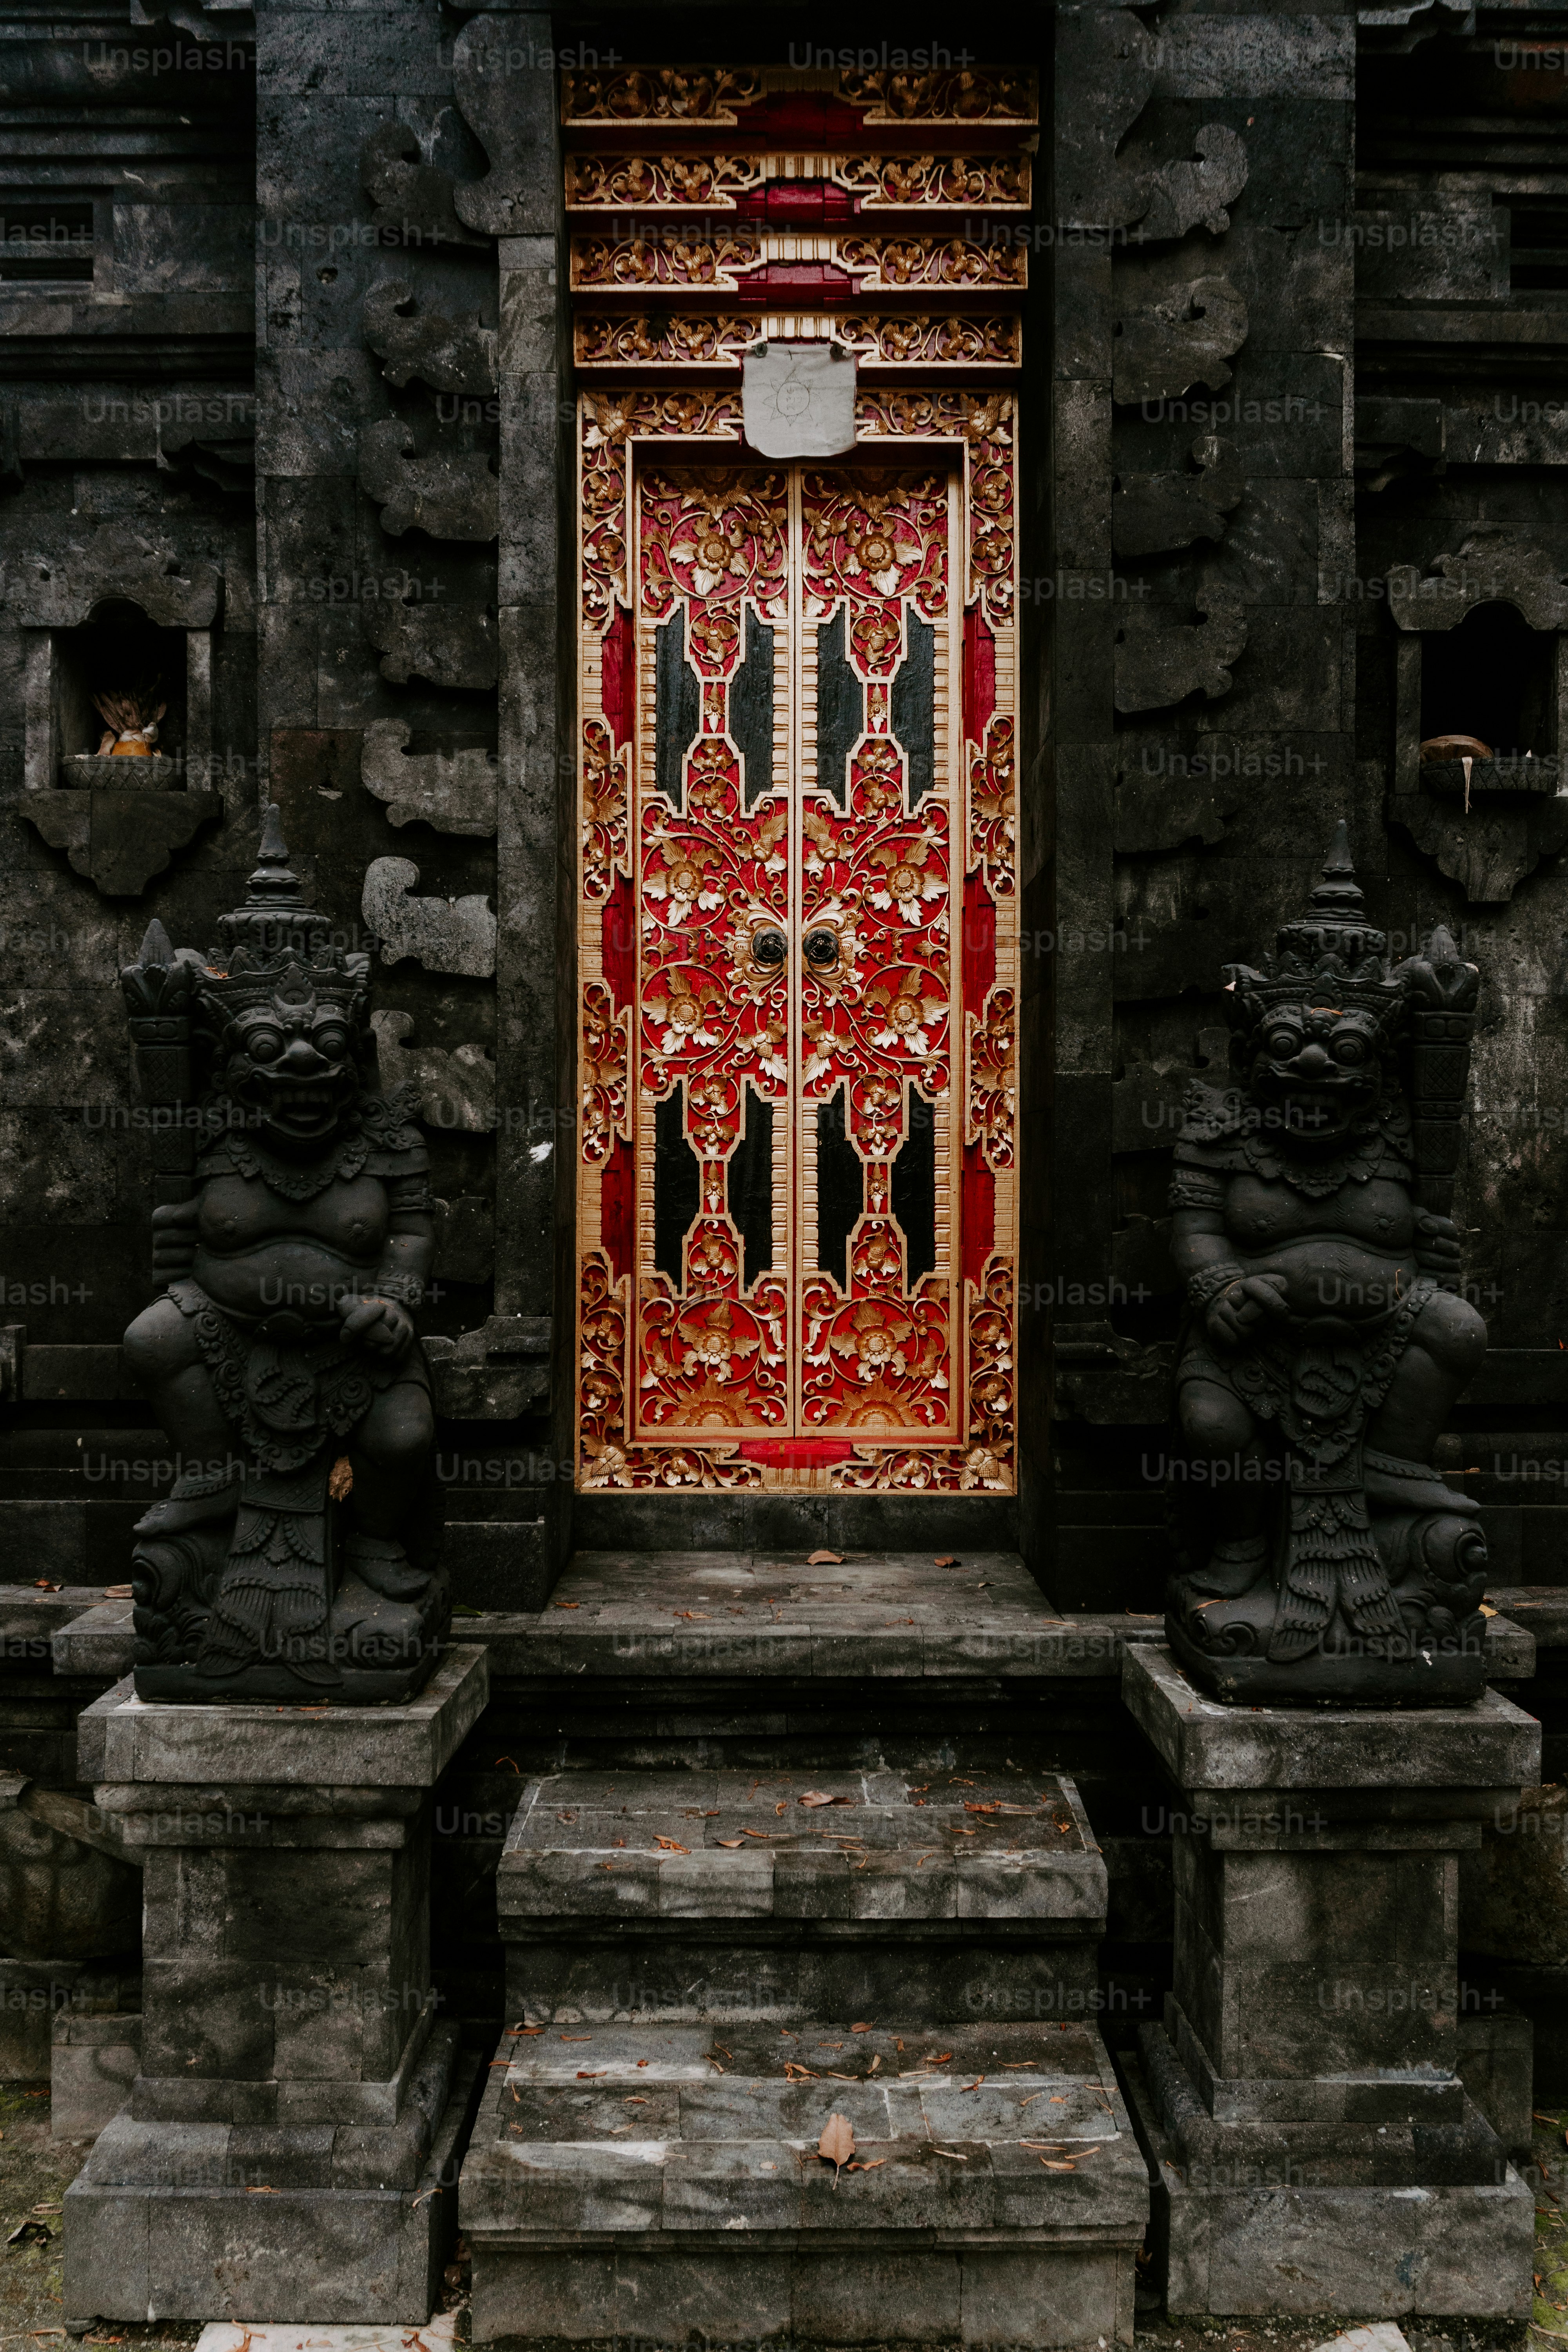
(797, 1079)
(797, 1158)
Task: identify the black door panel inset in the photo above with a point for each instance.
(840, 1189)
(914, 1190)
(751, 1189)
(840, 710)
(751, 711)
(676, 708)
(677, 1185)
(914, 707)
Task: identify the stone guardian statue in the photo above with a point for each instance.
(297, 1553)
(1320, 1556)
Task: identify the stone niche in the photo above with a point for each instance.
(93, 617)
(1482, 652)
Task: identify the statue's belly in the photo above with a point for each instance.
(1337, 1275)
(288, 1271)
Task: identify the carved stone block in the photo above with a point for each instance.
(456, 935)
(453, 645)
(1158, 664)
(1153, 512)
(453, 790)
(1168, 344)
(451, 496)
(449, 354)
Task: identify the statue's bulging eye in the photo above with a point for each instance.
(1283, 1042)
(1350, 1050)
(333, 1041)
(264, 1045)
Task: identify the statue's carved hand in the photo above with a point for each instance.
(378, 1324)
(174, 1237)
(1235, 1314)
(1437, 1248)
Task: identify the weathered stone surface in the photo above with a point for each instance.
(449, 354)
(455, 646)
(454, 790)
(57, 586)
(449, 495)
(1158, 664)
(1493, 1745)
(457, 1086)
(1155, 511)
(615, 1846)
(444, 934)
(1170, 343)
(406, 1745)
(93, 2061)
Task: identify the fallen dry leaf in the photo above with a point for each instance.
(860, 2029)
(117, 1591)
(691, 1612)
(576, 2037)
(568, 1605)
(837, 2144)
(732, 1842)
(953, 2154)
(781, 1809)
(671, 1845)
(592, 2078)
(874, 2165)
(945, 1559)
(815, 1797)
(825, 1558)
(875, 2064)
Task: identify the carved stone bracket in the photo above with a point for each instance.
(1153, 512)
(453, 790)
(119, 840)
(457, 645)
(456, 935)
(1158, 664)
(1113, 62)
(449, 354)
(495, 1373)
(409, 194)
(1167, 345)
(449, 495)
(456, 1084)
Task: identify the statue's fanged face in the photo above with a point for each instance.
(1318, 1068)
(292, 1067)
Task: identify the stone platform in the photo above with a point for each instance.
(1314, 2148)
(290, 2144)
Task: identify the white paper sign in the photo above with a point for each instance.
(798, 400)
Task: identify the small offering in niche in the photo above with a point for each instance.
(130, 721)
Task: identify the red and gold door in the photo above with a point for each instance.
(797, 1203)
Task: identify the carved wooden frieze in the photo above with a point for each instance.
(717, 339)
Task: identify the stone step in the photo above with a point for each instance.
(868, 1847)
(783, 1896)
(663, 2182)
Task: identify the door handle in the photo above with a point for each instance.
(821, 948)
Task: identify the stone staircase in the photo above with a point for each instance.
(893, 1921)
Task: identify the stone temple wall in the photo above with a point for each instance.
(1294, 408)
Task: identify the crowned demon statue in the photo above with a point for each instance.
(297, 1554)
(1321, 1556)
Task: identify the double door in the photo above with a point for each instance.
(796, 976)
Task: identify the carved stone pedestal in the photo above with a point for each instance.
(1313, 2148)
(288, 2149)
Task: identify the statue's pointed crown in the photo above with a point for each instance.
(275, 946)
(1330, 955)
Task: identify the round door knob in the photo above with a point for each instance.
(769, 949)
(822, 949)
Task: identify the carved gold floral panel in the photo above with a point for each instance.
(797, 1206)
